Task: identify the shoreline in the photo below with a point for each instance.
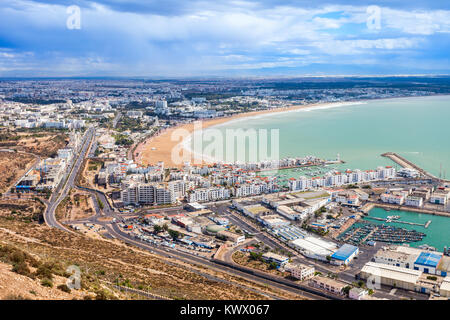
(163, 143)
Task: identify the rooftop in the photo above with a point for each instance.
(344, 252)
(329, 281)
(394, 255)
(315, 245)
(429, 259)
(274, 256)
(392, 272)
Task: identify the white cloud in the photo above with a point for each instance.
(213, 36)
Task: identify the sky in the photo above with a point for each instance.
(199, 38)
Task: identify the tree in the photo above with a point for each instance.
(346, 289)
(174, 234)
(257, 256)
(157, 228)
(272, 266)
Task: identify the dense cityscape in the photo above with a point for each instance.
(77, 148)
(224, 159)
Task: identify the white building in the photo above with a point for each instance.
(394, 258)
(208, 194)
(414, 201)
(161, 107)
(341, 178)
(299, 271)
(393, 276)
(147, 193)
(314, 248)
(357, 293)
(65, 154)
(440, 197)
(273, 257)
(393, 198)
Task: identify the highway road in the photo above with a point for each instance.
(114, 231)
(67, 182)
(116, 119)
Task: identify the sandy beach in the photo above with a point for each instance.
(159, 147)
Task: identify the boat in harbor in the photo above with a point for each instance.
(427, 247)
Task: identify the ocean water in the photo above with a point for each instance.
(437, 233)
(416, 128)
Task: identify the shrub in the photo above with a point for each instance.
(64, 287)
(21, 268)
(44, 272)
(101, 272)
(17, 256)
(272, 266)
(47, 283)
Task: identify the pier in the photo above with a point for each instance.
(405, 163)
(370, 205)
(425, 225)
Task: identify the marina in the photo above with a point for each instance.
(434, 226)
(364, 232)
(391, 219)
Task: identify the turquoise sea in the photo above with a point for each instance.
(437, 233)
(416, 128)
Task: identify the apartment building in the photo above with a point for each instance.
(208, 194)
(414, 201)
(300, 271)
(393, 198)
(147, 193)
(341, 178)
(440, 196)
(328, 284)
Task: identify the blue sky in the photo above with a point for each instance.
(182, 38)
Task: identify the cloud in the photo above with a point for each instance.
(177, 37)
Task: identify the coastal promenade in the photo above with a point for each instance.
(405, 163)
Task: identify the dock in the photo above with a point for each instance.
(370, 205)
(381, 232)
(405, 163)
(425, 225)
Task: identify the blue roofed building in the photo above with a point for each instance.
(428, 262)
(344, 255)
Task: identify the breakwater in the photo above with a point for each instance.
(405, 163)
